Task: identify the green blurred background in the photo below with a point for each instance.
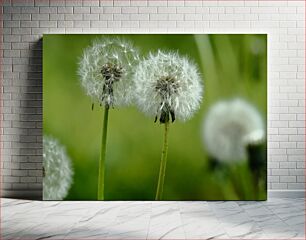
(231, 66)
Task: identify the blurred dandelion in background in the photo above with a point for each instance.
(229, 127)
(57, 170)
(167, 86)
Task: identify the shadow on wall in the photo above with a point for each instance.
(30, 142)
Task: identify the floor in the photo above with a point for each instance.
(273, 219)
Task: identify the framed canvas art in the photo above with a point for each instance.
(155, 116)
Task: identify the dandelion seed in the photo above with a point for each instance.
(229, 127)
(57, 170)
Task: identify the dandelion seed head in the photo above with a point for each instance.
(229, 127)
(168, 84)
(105, 70)
(57, 170)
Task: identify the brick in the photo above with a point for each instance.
(47, 24)
(42, 3)
(49, 10)
(21, 31)
(191, 17)
(11, 53)
(22, 3)
(280, 172)
(6, 172)
(130, 24)
(160, 17)
(202, 10)
(242, 10)
(96, 10)
(210, 17)
(296, 172)
(28, 179)
(57, 17)
(73, 17)
(108, 10)
(40, 16)
(296, 186)
(287, 10)
(11, 179)
(60, 3)
(91, 16)
(121, 17)
(273, 165)
(277, 186)
(185, 24)
(73, 3)
(273, 179)
(288, 179)
(167, 24)
(140, 17)
(105, 17)
(40, 31)
(30, 10)
(196, 3)
(65, 24)
(11, 9)
(287, 131)
(96, 3)
(148, 24)
(166, 10)
(221, 24)
(81, 9)
(21, 16)
(122, 3)
(147, 9)
(230, 3)
(129, 10)
(98, 24)
(287, 165)
(185, 10)
(158, 3)
(19, 173)
(11, 24)
(82, 24)
(35, 173)
(176, 17)
(62, 10)
(229, 17)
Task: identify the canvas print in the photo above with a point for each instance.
(155, 117)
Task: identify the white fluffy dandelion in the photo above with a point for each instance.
(167, 85)
(57, 170)
(105, 70)
(229, 127)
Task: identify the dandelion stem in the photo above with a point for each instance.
(163, 163)
(102, 156)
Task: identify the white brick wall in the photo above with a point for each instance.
(24, 22)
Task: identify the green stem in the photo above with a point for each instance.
(163, 163)
(102, 156)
